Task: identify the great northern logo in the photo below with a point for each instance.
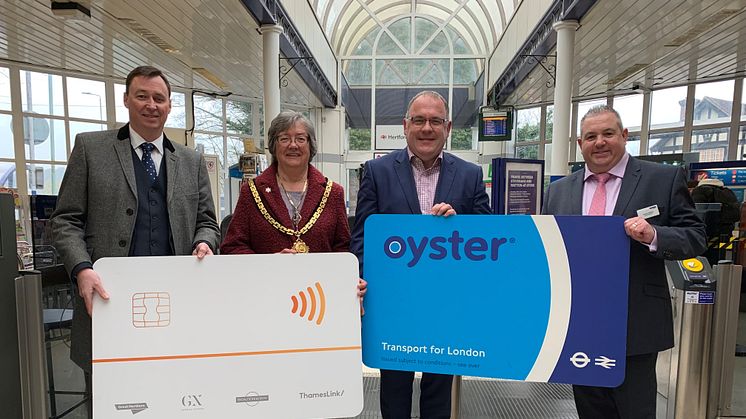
(454, 247)
(135, 408)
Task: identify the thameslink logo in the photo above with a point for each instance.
(322, 395)
(440, 247)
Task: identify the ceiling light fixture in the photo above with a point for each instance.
(70, 10)
(211, 77)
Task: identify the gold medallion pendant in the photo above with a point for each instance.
(300, 246)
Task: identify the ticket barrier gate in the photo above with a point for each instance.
(695, 377)
(22, 360)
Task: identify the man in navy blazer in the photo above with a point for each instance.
(420, 179)
(666, 228)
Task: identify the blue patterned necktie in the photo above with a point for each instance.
(147, 161)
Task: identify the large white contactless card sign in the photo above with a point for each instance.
(236, 336)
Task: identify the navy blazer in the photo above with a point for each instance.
(681, 235)
(388, 187)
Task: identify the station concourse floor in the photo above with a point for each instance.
(480, 398)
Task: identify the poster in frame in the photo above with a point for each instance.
(517, 186)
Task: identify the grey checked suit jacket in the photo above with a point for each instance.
(97, 208)
(681, 235)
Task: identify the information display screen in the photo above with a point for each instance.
(495, 125)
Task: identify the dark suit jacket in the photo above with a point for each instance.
(681, 235)
(388, 187)
(97, 208)
(249, 232)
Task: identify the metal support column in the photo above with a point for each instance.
(271, 61)
(562, 96)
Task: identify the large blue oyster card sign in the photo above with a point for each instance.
(536, 298)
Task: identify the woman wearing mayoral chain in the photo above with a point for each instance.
(291, 207)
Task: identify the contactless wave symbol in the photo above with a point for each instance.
(315, 300)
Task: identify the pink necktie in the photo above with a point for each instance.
(598, 203)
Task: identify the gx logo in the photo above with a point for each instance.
(192, 400)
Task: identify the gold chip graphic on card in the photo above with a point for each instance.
(151, 309)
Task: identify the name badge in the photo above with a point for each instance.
(648, 212)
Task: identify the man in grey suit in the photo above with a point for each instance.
(130, 192)
(661, 224)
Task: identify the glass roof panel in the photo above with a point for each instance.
(333, 13)
(358, 27)
(475, 44)
(459, 46)
(365, 46)
(431, 72)
(447, 5)
(423, 30)
(474, 17)
(491, 11)
(387, 46)
(478, 23)
(400, 30)
(439, 45)
(392, 13)
(436, 11)
(393, 73)
(357, 72)
(320, 4)
(465, 71)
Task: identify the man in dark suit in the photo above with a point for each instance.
(130, 192)
(661, 224)
(420, 179)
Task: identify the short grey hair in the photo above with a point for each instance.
(600, 109)
(433, 94)
(283, 122)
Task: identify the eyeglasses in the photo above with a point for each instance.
(287, 140)
(419, 121)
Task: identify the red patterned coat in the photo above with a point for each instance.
(250, 232)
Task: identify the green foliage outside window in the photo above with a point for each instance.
(527, 152)
(359, 139)
(461, 139)
(238, 117)
(550, 124)
(528, 125)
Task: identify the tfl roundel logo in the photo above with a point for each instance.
(454, 247)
